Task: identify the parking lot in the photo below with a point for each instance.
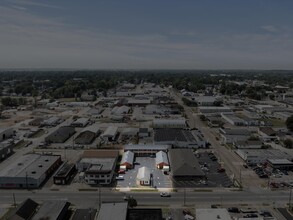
(210, 167)
(159, 180)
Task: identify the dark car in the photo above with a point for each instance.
(233, 210)
(250, 215)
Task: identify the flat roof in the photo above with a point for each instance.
(146, 147)
(165, 134)
(29, 165)
(212, 214)
(113, 211)
(99, 164)
(51, 210)
(266, 153)
(280, 161)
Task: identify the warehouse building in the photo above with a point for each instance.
(6, 133)
(65, 173)
(36, 122)
(53, 210)
(127, 160)
(251, 156)
(233, 119)
(80, 122)
(184, 165)
(51, 122)
(213, 109)
(169, 123)
(85, 137)
(121, 110)
(267, 133)
(162, 161)
(30, 171)
(60, 135)
(110, 133)
(178, 138)
(98, 167)
(6, 149)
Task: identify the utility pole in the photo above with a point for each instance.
(26, 183)
(240, 178)
(290, 198)
(184, 196)
(14, 202)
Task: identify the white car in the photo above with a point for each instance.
(165, 194)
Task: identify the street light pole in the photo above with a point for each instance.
(290, 198)
(184, 196)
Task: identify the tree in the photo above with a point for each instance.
(132, 202)
(288, 143)
(289, 123)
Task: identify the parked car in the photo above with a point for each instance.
(221, 170)
(165, 194)
(121, 172)
(250, 215)
(233, 210)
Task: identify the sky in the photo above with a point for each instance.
(146, 34)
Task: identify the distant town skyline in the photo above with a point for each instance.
(228, 34)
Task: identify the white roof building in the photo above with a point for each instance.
(143, 176)
(127, 158)
(111, 131)
(161, 157)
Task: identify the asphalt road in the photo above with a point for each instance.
(83, 199)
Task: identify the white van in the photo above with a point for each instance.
(119, 177)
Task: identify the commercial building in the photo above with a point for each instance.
(251, 156)
(267, 133)
(30, 171)
(51, 122)
(25, 210)
(213, 109)
(6, 133)
(127, 160)
(113, 211)
(84, 214)
(143, 177)
(86, 137)
(6, 149)
(60, 135)
(64, 174)
(53, 210)
(121, 110)
(36, 122)
(169, 123)
(281, 164)
(248, 144)
(110, 133)
(212, 214)
(162, 161)
(98, 167)
(233, 119)
(80, 122)
(205, 100)
(178, 138)
(146, 149)
(184, 165)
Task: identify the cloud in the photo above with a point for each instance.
(270, 28)
(32, 3)
(33, 41)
